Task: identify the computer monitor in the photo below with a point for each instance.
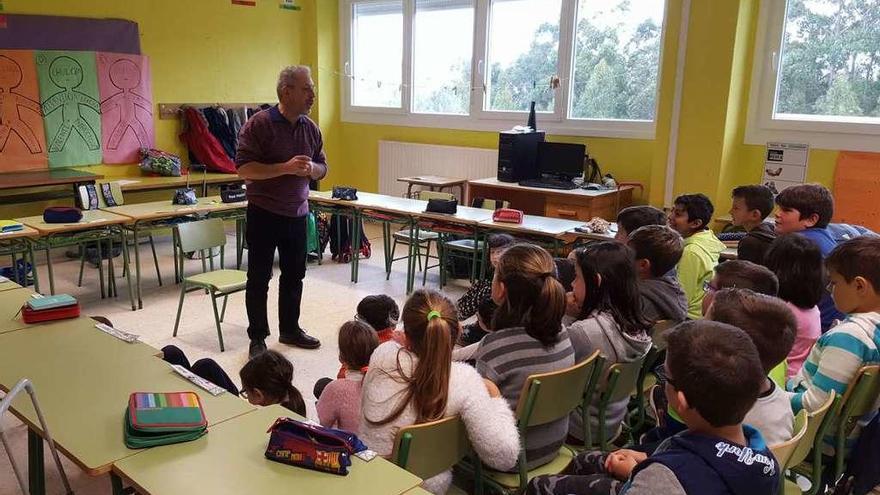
(561, 159)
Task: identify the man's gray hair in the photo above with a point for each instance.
(289, 75)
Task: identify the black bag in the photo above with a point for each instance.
(185, 196)
(340, 239)
(446, 206)
(232, 193)
(345, 193)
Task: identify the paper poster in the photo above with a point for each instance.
(126, 106)
(785, 165)
(22, 140)
(71, 109)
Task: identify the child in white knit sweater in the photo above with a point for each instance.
(419, 383)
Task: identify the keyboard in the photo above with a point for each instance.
(549, 184)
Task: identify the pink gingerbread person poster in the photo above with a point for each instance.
(126, 106)
(22, 138)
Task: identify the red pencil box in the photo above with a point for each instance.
(508, 215)
(29, 315)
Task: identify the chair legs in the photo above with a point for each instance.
(217, 319)
(223, 311)
(179, 307)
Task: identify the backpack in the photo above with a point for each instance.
(340, 239)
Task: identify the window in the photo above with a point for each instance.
(817, 74)
(591, 66)
(616, 59)
(441, 61)
(377, 51)
(523, 54)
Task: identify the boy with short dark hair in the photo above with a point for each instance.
(772, 327)
(690, 217)
(807, 210)
(714, 375)
(739, 274)
(631, 218)
(657, 250)
(380, 312)
(751, 205)
(854, 271)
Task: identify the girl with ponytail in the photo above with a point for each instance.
(268, 379)
(418, 383)
(528, 337)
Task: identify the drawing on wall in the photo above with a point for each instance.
(22, 142)
(71, 110)
(126, 106)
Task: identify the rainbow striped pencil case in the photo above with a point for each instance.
(163, 418)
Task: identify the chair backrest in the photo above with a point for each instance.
(202, 234)
(428, 449)
(860, 398)
(490, 204)
(114, 188)
(658, 333)
(547, 397)
(817, 423)
(784, 451)
(621, 381)
(426, 195)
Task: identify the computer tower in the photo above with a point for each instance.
(518, 155)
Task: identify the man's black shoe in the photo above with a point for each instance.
(257, 347)
(300, 339)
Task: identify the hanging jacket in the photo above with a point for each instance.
(203, 145)
(219, 126)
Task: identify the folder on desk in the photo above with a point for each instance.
(163, 418)
(50, 308)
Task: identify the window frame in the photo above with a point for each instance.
(818, 131)
(556, 122)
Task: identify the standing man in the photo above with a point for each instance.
(279, 151)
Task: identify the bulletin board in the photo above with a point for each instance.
(856, 189)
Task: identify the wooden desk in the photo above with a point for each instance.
(535, 225)
(38, 178)
(11, 301)
(95, 225)
(15, 243)
(230, 460)
(150, 183)
(575, 204)
(151, 215)
(83, 378)
(434, 183)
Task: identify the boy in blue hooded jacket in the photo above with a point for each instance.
(714, 378)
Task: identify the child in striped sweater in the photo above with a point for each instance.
(854, 269)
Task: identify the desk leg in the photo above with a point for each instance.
(100, 248)
(36, 467)
(239, 247)
(30, 251)
(137, 266)
(127, 267)
(49, 268)
(356, 245)
(413, 250)
(118, 487)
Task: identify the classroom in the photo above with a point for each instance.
(542, 247)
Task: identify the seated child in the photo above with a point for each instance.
(482, 289)
(657, 250)
(267, 379)
(339, 405)
(714, 375)
(206, 368)
(807, 209)
(797, 263)
(751, 205)
(631, 218)
(381, 313)
(527, 338)
(606, 316)
(854, 270)
(690, 217)
(739, 274)
(474, 333)
(418, 382)
(772, 327)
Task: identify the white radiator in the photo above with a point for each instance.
(397, 159)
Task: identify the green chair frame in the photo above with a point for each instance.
(621, 382)
(784, 452)
(859, 400)
(202, 236)
(429, 449)
(405, 236)
(545, 398)
(810, 445)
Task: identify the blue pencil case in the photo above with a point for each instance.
(50, 302)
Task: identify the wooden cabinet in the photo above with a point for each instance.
(577, 204)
